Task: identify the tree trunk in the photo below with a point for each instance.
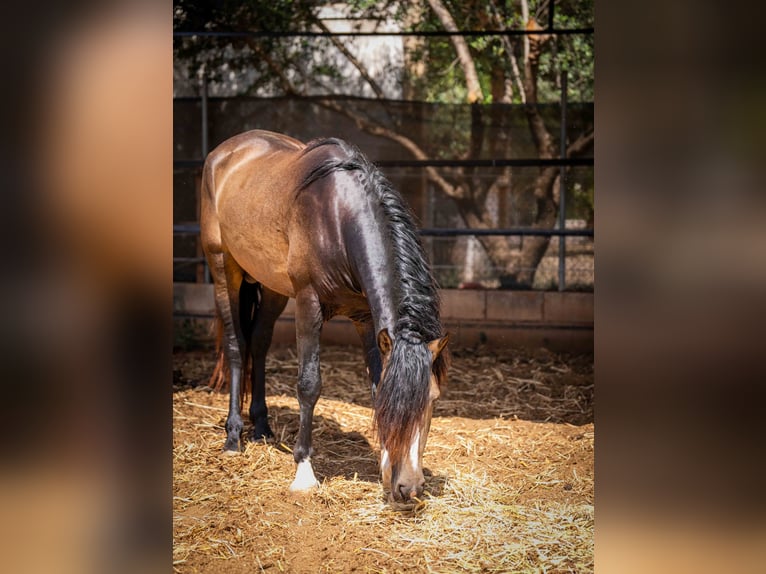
(414, 53)
(521, 270)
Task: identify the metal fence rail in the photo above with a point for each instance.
(512, 162)
(193, 229)
(423, 33)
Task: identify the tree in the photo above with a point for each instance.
(478, 71)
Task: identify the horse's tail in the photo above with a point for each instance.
(219, 379)
(249, 300)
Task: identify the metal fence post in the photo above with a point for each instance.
(203, 82)
(563, 186)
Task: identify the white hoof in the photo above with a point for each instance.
(305, 480)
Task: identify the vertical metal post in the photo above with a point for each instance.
(551, 11)
(563, 185)
(203, 82)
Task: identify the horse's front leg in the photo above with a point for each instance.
(372, 358)
(308, 324)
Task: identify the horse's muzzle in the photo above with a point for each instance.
(408, 492)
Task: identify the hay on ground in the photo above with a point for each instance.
(509, 473)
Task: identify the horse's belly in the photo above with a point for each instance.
(264, 260)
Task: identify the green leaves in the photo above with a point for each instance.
(259, 61)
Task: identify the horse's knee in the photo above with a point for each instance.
(308, 389)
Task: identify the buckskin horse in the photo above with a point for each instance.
(320, 223)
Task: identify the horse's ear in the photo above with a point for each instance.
(437, 345)
(384, 343)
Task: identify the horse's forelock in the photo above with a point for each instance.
(402, 396)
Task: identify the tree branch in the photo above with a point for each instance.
(278, 71)
(540, 134)
(509, 50)
(354, 61)
(376, 129)
(525, 19)
(578, 146)
(463, 53)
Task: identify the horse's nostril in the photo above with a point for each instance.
(408, 492)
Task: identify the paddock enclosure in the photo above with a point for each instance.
(508, 465)
(499, 174)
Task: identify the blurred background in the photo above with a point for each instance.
(91, 164)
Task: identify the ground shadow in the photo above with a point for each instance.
(337, 452)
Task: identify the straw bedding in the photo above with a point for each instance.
(509, 473)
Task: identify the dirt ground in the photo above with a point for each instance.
(509, 473)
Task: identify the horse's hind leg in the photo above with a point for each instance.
(271, 306)
(227, 279)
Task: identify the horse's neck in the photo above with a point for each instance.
(381, 298)
(378, 282)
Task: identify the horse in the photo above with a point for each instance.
(318, 222)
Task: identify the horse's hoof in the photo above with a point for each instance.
(261, 437)
(261, 430)
(305, 481)
(231, 447)
(303, 489)
(262, 440)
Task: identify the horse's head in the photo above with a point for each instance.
(413, 371)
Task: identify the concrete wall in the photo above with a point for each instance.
(557, 321)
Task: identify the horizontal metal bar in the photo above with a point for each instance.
(188, 259)
(188, 163)
(185, 228)
(193, 228)
(351, 98)
(511, 162)
(522, 231)
(423, 33)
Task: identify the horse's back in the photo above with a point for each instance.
(251, 153)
